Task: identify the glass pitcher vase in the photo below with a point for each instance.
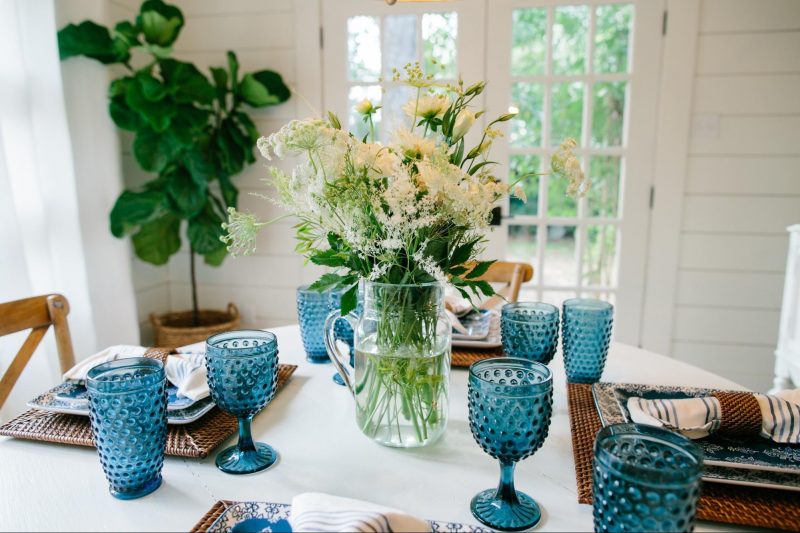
(401, 378)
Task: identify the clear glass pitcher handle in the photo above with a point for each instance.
(340, 361)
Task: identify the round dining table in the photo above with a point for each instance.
(311, 423)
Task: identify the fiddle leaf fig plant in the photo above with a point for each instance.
(192, 131)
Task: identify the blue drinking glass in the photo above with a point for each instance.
(312, 310)
(242, 376)
(128, 412)
(586, 334)
(529, 330)
(510, 403)
(645, 479)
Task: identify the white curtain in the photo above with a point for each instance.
(53, 204)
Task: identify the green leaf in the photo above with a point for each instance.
(482, 286)
(334, 120)
(462, 253)
(477, 167)
(350, 300)
(216, 257)
(128, 32)
(273, 82)
(231, 154)
(246, 122)
(480, 269)
(123, 116)
(159, 22)
(187, 195)
(233, 68)
(200, 168)
(242, 139)
(157, 240)
(229, 191)
(157, 114)
(254, 93)
(153, 152)
(133, 209)
(90, 40)
(151, 88)
(329, 258)
(327, 281)
(205, 230)
(220, 77)
(186, 83)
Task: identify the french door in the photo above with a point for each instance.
(586, 69)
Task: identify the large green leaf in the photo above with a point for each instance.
(205, 231)
(200, 169)
(249, 126)
(154, 152)
(127, 32)
(216, 257)
(157, 240)
(254, 93)
(242, 139)
(233, 69)
(159, 22)
(90, 40)
(133, 209)
(186, 194)
(220, 77)
(273, 82)
(157, 114)
(151, 88)
(186, 83)
(229, 191)
(230, 154)
(123, 116)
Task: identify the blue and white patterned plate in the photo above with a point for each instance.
(490, 340)
(264, 516)
(71, 398)
(477, 324)
(751, 461)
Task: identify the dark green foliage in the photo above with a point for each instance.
(191, 130)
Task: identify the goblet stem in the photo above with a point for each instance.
(245, 435)
(506, 491)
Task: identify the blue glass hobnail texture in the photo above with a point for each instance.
(242, 376)
(128, 411)
(586, 334)
(645, 479)
(312, 310)
(529, 330)
(510, 404)
(342, 329)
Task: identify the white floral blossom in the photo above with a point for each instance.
(413, 146)
(427, 106)
(464, 121)
(566, 165)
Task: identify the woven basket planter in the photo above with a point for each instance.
(175, 329)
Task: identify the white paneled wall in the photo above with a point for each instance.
(742, 187)
(264, 34)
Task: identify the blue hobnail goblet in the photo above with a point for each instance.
(645, 479)
(312, 310)
(128, 412)
(586, 334)
(510, 403)
(242, 376)
(529, 330)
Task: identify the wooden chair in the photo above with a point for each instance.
(37, 314)
(513, 275)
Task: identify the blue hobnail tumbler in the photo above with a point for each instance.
(242, 376)
(312, 310)
(529, 330)
(586, 333)
(128, 412)
(645, 479)
(510, 403)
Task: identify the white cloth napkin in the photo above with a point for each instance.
(185, 370)
(699, 417)
(314, 511)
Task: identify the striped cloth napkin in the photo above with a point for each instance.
(699, 417)
(186, 370)
(314, 511)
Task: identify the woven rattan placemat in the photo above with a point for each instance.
(196, 440)
(211, 516)
(464, 357)
(731, 504)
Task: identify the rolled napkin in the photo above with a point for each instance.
(775, 417)
(185, 370)
(314, 511)
(455, 302)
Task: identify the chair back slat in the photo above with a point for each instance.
(37, 314)
(512, 274)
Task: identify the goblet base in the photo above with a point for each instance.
(236, 461)
(499, 514)
(144, 490)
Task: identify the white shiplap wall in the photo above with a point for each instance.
(265, 34)
(742, 187)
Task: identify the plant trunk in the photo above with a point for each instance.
(195, 314)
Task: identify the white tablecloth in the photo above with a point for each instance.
(311, 424)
